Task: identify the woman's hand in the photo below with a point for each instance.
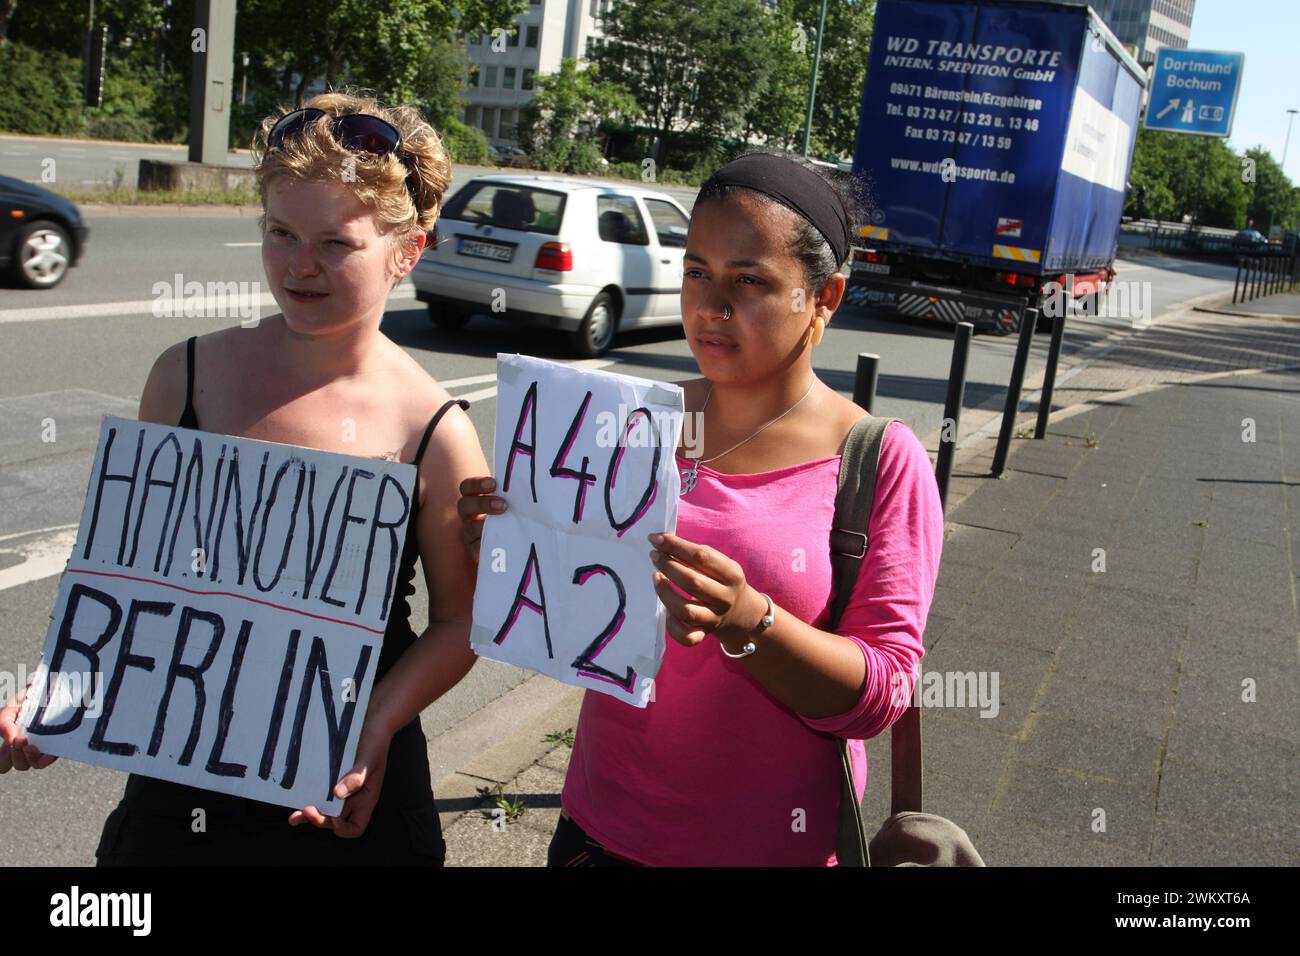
(16, 751)
(718, 602)
(359, 787)
(477, 500)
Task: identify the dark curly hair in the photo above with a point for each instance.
(807, 245)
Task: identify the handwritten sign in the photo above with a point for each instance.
(585, 462)
(226, 601)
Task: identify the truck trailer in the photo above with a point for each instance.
(994, 142)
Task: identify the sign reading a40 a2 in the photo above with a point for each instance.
(1195, 91)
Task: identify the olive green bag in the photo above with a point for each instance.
(909, 837)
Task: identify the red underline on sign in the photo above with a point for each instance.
(240, 597)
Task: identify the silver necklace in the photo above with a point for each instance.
(690, 476)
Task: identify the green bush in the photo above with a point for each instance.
(127, 129)
(465, 144)
(40, 92)
(576, 157)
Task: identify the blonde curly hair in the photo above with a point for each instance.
(378, 182)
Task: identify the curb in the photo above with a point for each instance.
(498, 742)
(1250, 315)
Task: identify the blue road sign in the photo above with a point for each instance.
(1195, 91)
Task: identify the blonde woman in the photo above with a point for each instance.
(349, 190)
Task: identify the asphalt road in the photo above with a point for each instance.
(83, 350)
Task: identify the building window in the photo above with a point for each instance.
(528, 79)
(508, 120)
(471, 79)
(508, 79)
(514, 37)
(490, 121)
(531, 42)
(490, 80)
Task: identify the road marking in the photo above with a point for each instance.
(145, 307)
(45, 555)
(484, 393)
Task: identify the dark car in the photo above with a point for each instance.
(1249, 240)
(42, 235)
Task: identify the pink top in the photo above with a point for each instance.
(716, 771)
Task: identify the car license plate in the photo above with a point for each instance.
(486, 250)
(879, 267)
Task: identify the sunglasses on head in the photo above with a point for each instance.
(356, 132)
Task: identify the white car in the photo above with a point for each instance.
(588, 258)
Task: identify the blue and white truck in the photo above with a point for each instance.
(995, 141)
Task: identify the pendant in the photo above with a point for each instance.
(689, 477)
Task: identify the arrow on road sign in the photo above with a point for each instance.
(1173, 105)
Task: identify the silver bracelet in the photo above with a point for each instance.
(767, 621)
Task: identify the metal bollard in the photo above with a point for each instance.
(1027, 323)
(1049, 377)
(952, 409)
(1236, 282)
(864, 384)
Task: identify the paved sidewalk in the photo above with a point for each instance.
(1147, 713)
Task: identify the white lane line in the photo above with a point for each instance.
(238, 245)
(146, 306)
(45, 555)
(472, 380)
(491, 392)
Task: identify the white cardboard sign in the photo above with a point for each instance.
(224, 606)
(585, 462)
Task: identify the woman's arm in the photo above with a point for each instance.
(441, 655)
(163, 398)
(848, 682)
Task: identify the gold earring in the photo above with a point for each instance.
(819, 329)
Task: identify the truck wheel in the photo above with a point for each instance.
(596, 333)
(450, 317)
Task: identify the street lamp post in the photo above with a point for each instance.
(243, 83)
(1286, 144)
(812, 86)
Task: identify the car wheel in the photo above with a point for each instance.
(43, 255)
(596, 333)
(449, 318)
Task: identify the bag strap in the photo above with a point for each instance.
(849, 542)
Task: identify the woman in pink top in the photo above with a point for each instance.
(735, 760)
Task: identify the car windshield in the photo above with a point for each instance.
(509, 206)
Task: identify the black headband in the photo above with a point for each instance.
(794, 185)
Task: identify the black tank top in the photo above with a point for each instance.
(398, 635)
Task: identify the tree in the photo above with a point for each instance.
(846, 49)
(777, 114)
(698, 67)
(379, 44)
(562, 103)
(1182, 175)
(1273, 200)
